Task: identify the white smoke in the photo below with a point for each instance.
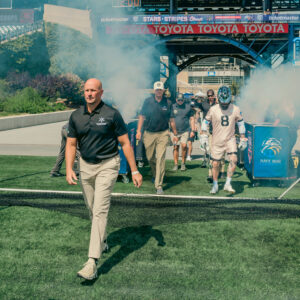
(270, 89)
(128, 72)
(123, 64)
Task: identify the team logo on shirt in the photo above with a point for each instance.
(101, 122)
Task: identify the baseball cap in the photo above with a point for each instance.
(158, 85)
(179, 96)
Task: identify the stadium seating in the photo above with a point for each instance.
(9, 32)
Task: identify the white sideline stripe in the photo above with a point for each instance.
(135, 195)
(39, 191)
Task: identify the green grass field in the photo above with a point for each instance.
(159, 248)
(33, 173)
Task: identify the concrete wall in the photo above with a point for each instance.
(14, 122)
(74, 18)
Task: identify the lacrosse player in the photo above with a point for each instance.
(223, 118)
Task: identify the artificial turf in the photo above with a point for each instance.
(212, 257)
(159, 248)
(33, 173)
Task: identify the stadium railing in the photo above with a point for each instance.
(9, 32)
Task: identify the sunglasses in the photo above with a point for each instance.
(210, 95)
(180, 100)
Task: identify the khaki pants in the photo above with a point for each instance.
(97, 181)
(156, 145)
(182, 138)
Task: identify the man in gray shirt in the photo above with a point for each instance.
(184, 120)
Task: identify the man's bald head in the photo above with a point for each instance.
(92, 93)
(96, 83)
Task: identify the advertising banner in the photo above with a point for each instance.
(198, 29)
(203, 19)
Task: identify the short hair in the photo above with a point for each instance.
(211, 91)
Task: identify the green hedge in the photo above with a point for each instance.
(29, 101)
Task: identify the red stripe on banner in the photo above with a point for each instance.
(228, 17)
(199, 29)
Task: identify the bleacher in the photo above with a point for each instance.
(8, 32)
(206, 6)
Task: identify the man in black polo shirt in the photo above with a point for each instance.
(155, 116)
(97, 129)
(185, 125)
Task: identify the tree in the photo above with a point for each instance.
(61, 41)
(27, 53)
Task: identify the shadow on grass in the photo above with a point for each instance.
(239, 188)
(126, 211)
(193, 166)
(237, 174)
(23, 176)
(171, 181)
(4, 207)
(129, 239)
(199, 157)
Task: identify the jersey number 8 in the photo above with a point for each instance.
(224, 121)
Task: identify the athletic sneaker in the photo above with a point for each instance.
(228, 188)
(89, 271)
(189, 158)
(159, 191)
(214, 189)
(183, 167)
(175, 168)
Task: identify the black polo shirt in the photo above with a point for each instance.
(157, 114)
(205, 106)
(97, 132)
(182, 114)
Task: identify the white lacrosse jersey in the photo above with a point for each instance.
(223, 123)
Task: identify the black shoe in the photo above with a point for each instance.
(209, 179)
(222, 175)
(203, 165)
(56, 174)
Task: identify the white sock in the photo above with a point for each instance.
(228, 180)
(215, 182)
